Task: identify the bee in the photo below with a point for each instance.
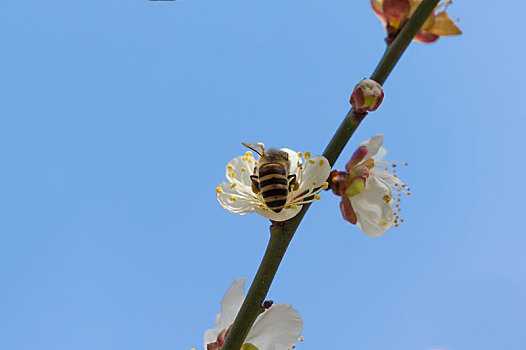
(271, 176)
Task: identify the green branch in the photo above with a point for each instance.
(282, 233)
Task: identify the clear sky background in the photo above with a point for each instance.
(118, 118)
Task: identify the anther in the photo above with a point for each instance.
(300, 155)
(325, 185)
(311, 161)
(301, 338)
(219, 190)
(232, 185)
(307, 155)
(230, 167)
(243, 170)
(317, 197)
(321, 162)
(233, 199)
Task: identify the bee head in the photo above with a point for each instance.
(271, 155)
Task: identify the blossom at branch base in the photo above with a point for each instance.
(394, 14)
(276, 328)
(366, 187)
(367, 95)
(238, 197)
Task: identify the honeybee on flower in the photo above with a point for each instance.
(295, 179)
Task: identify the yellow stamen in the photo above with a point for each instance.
(301, 338)
(219, 190)
(233, 199)
(321, 162)
(317, 197)
(307, 155)
(230, 167)
(243, 170)
(300, 154)
(382, 223)
(311, 161)
(293, 346)
(386, 198)
(248, 154)
(325, 185)
(313, 183)
(293, 206)
(232, 185)
(256, 162)
(233, 174)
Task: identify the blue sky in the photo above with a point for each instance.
(118, 118)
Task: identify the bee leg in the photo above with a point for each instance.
(255, 184)
(293, 183)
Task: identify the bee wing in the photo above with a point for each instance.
(259, 148)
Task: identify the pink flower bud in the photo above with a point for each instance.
(367, 95)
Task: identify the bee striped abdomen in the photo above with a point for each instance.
(273, 184)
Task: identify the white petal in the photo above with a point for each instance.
(382, 152)
(278, 328)
(211, 336)
(373, 145)
(293, 158)
(315, 172)
(283, 215)
(374, 214)
(244, 202)
(242, 167)
(231, 304)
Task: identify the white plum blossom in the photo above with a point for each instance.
(276, 328)
(238, 197)
(366, 187)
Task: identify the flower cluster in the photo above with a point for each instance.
(238, 195)
(394, 14)
(278, 327)
(366, 187)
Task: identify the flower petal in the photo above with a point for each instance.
(373, 207)
(315, 172)
(444, 26)
(293, 159)
(239, 169)
(382, 152)
(283, 215)
(230, 305)
(236, 198)
(278, 328)
(373, 145)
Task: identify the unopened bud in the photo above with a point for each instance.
(367, 95)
